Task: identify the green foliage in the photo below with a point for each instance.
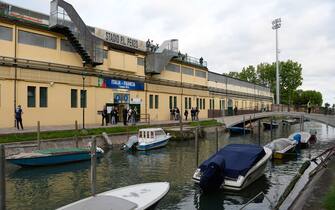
(265, 74)
(301, 97)
(329, 200)
(205, 123)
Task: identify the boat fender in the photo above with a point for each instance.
(212, 177)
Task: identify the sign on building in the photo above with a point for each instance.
(120, 84)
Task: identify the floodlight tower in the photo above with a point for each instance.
(276, 23)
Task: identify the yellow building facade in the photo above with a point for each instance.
(58, 79)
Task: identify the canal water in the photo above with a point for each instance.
(52, 187)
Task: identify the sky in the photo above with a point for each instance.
(228, 34)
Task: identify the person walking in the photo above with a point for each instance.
(18, 117)
(177, 113)
(235, 110)
(186, 114)
(113, 114)
(104, 116)
(193, 114)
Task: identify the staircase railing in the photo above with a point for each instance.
(65, 19)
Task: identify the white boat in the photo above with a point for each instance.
(134, 197)
(148, 138)
(282, 148)
(303, 137)
(239, 165)
(289, 121)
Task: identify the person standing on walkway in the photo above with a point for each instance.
(113, 114)
(309, 107)
(18, 117)
(104, 116)
(186, 114)
(235, 110)
(197, 113)
(177, 113)
(193, 114)
(124, 115)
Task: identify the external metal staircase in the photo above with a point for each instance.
(65, 20)
(156, 61)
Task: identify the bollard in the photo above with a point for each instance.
(259, 132)
(38, 135)
(76, 133)
(271, 128)
(2, 178)
(196, 148)
(243, 125)
(217, 138)
(93, 165)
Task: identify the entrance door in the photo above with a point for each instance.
(136, 107)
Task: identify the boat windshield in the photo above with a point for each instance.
(160, 133)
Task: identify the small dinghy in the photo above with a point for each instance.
(282, 148)
(53, 156)
(234, 167)
(239, 130)
(134, 197)
(289, 121)
(267, 125)
(304, 138)
(148, 138)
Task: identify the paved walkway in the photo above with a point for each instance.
(227, 120)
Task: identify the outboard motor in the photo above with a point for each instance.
(213, 175)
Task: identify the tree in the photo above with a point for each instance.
(300, 97)
(234, 74)
(249, 74)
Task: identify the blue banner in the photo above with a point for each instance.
(120, 84)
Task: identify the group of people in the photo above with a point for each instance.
(112, 116)
(175, 114)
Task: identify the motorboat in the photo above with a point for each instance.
(53, 156)
(233, 167)
(303, 138)
(148, 138)
(133, 197)
(267, 125)
(289, 121)
(282, 148)
(239, 130)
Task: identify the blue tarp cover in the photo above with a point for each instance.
(238, 159)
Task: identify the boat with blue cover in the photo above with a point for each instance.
(233, 167)
(239, 130)
(53, 156)
(147, 139)
(303, 138)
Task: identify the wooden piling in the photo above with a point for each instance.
(196, 148)
(2, 178)
(93, 165)
(271, 128)
(217, 138)
(259, 132)
(38, 135)
(243, 125)
(181, 127)
(76, 133)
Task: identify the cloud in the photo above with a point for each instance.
(229, 34)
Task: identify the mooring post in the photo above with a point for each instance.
(181, 127)
(196, 148)
(217, 138)
(259, 132)
(300, 123)
(250, 122)
(38, 135)
(127, 130)
(243, 125)
(76, 133)
(303, 122)
(93, 165)
(271, 128)
(2, 178)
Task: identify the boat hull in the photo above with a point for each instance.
(239, 130)
(53, 159)
(267, 126)
(153, 145)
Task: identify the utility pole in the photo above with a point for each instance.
(276, 24)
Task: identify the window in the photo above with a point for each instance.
(65, 45)
(174, 101)
(31, 96)
(203, 103)
(37, 40)
(201, 74)
(105, 54)
(197, 102)
(74, 98)
(189, 103)
(140, 61)
(200, 104)
(172, 67)
(186, 70)
(43, 97)
(170, 102)
(186, 100)
(6, 33)
(151, 101)
(156, 101)
(83, 98)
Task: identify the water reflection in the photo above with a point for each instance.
(52, 187)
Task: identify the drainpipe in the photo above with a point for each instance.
(15, 70)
